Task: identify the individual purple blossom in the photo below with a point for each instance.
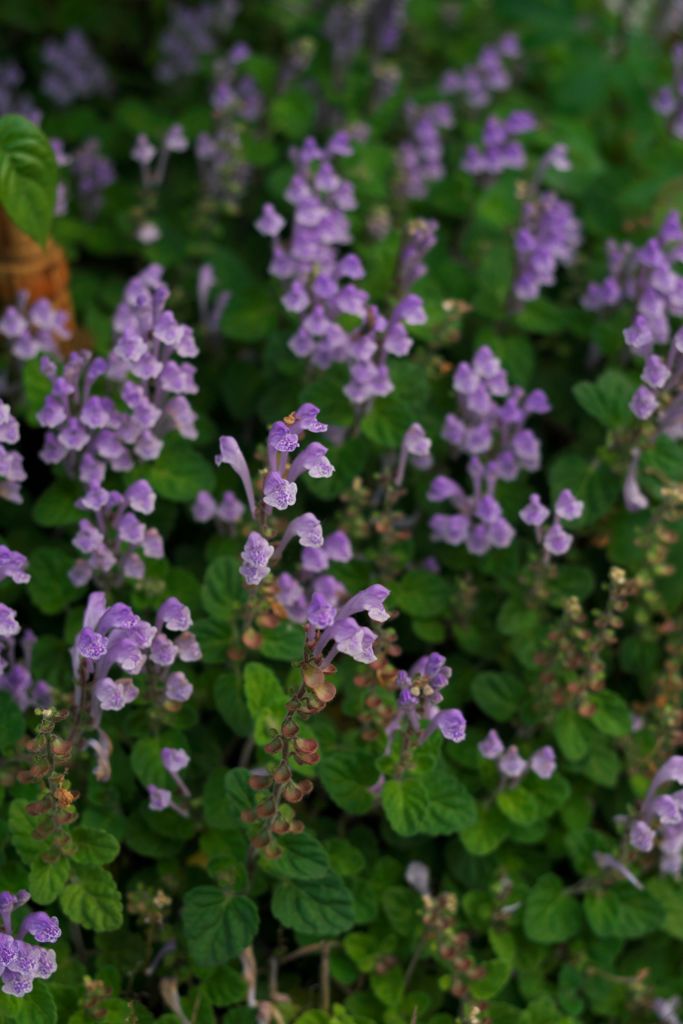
(416, 450)
(489, 75)
(553, 539)
(421, 156)
(228, 511)
(13, 565)
(256, 555)
(34, 327)
(174, 760)
(666, 1010)
(72, 70)
(211, 304)
(21, 962)
(489, 427)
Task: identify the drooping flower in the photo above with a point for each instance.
(22, 962)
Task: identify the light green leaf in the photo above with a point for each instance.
(320, 909)
(437, 804)
(93, 900)
(93, 846)
(47, 880)
(28, 176)
(265, 699)
(551, 914)
(217, 925)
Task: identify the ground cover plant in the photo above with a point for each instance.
(341, 603)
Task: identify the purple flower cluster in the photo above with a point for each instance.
(421, 155)
(13, 567)
(659, 822)
(489, 75)
(236, 101)
(16, 677)
(511, 765)
(115, 539)
(553, 539)
(12, 472)
(72, 70)
(279, 488)
(549, 233)
(193, 31)
(500, 148)
(227, 512)
(420, 694)
(114, 638)
(174, 760)
(313, 585)
(322, 289)
(22, 962)
(646, 276)
(92, 173)
(668, 101)
(32, 328)
(335, 630)
(12, 99)
(490, 428)
(90, 433)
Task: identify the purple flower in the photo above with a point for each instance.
(174, 759)
(511, 764)
(21, 963)
(159, 798)
(642, 837)
(452, 725)
(72, 70)
(255, 556)
(543, 762)
(491, 747)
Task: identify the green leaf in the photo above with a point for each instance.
(93, 846)
(551, 914)
(292, 113)
(50, 590)
(319, 908)
(218, 926)
(93, 900)
(488, 832)
(36, 1007)
(180, 471)
(572, 734)
(55, 506)
(47, 880)
(669, 895)
(422, 595)
(622, 912)
(303, 856)
(12, 725)
(347, 777)
(612, 715)
(225, 986)
(606, 398)
(437, 804)
(21, 827)
(222, 589)
(519, 805)
(28, 176)
(498, 694)
(265, 699)
(284, 643)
